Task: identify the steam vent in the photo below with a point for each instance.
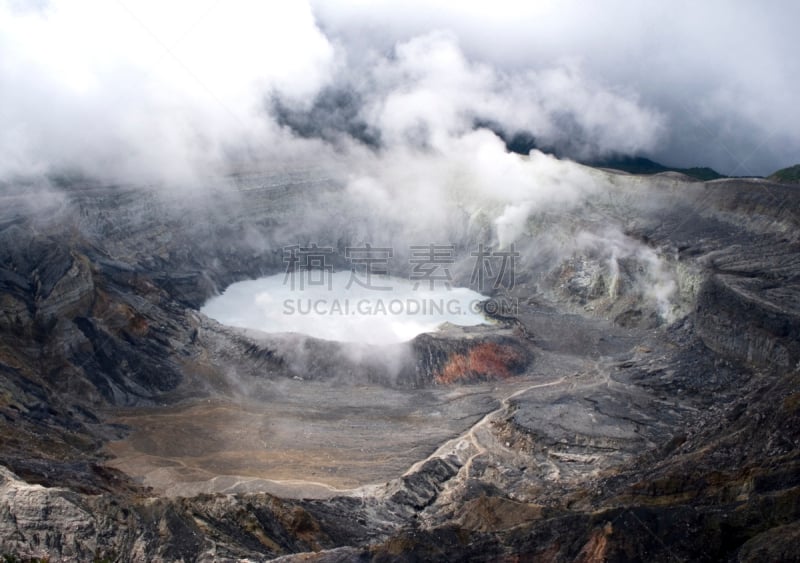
(335, 281)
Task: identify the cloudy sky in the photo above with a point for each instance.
(164, 90)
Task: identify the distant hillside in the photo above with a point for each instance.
(523, 143)
(642, 165)
(789, 175)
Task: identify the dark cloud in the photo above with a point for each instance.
(334, 112)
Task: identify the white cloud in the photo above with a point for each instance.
(149, 90)
(428, 90)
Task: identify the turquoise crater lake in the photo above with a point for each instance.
(337, 306)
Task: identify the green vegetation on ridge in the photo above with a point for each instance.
(790, 175)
